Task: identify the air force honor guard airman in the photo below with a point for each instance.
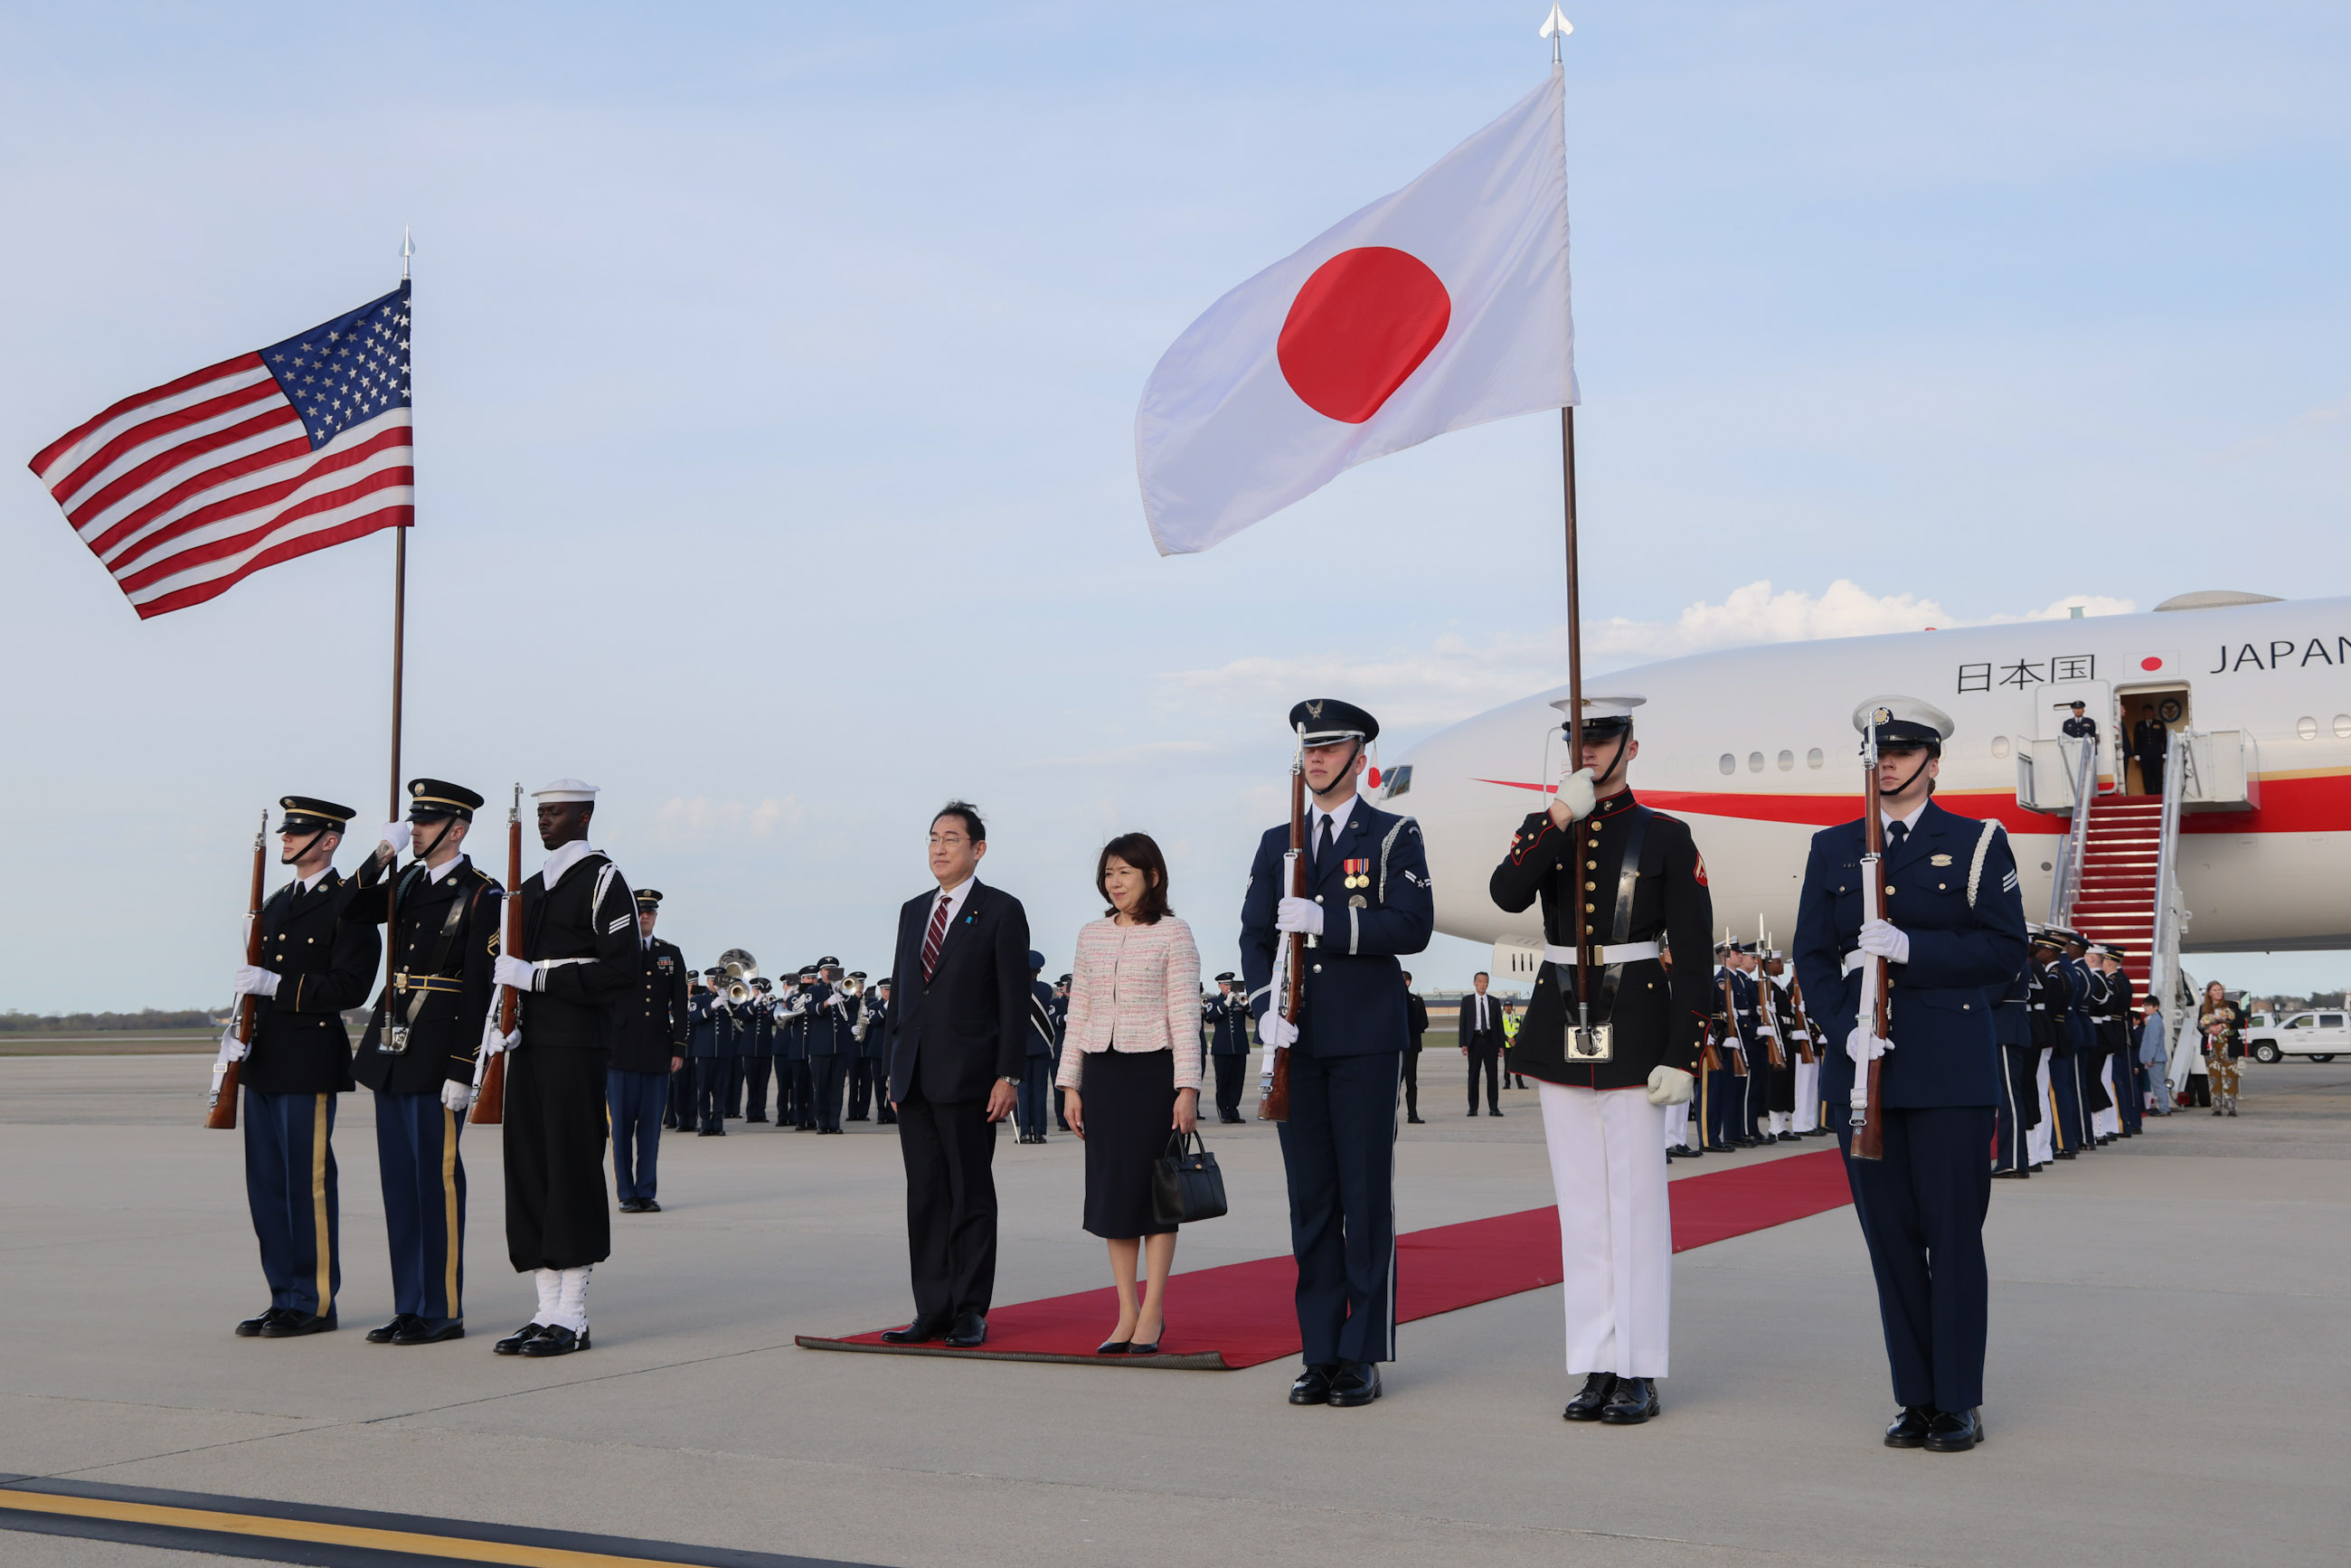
(1953, 937)
(1603, 1088)
(1367, 902)
(651, 1048)
(422, 1042)
(313, 966)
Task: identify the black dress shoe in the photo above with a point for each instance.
(293, 1326)
(1493, 1112)
(1357, 1383)
(1473, 1110)
(390, 1331)
(1312, 1386)
(2065, 1153)
(2018, 1174)
(763, 1121)
(429, 1331)
(921, 1331)
(1598, 1389)
(1768, 1139)
(1634, 1401)
(1909, 1428)
(251, 1327)
(647, 1206)
(970, 1332)
(1414, 1121)
(556, 1340)
(1953, 1432)
(512, 1344)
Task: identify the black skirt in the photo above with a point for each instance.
(1130, 1103)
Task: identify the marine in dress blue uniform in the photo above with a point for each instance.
(650, 1051)
(1953, 938)
(1228, 1018)
(1368, 902)
(423, 1039)
(313, 966)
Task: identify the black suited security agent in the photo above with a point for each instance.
(423, 1039)
(1642, 883)
(1368, 902)
(1953, 937)
(313, 966)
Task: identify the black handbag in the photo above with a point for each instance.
(1185, 1184)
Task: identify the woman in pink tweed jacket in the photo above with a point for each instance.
(1130, 1067)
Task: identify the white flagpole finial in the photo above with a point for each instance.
(1555, 27)
(407, 249)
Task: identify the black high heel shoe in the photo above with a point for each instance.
(1114, 1347)
(1139, 1348)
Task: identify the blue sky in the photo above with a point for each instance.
(776, 369)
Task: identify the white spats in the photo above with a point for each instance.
(550, 1291)
(572, 1305)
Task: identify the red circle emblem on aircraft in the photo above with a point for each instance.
(1361, 324)
(2150, 663)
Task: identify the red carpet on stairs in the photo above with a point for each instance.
(1241, 1314)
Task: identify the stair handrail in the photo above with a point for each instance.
(2066, 885)
(2171, 916)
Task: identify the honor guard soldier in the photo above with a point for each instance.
(1227, 1016)
(677, 1115)
(709, 1020)
(1952, 938)
(651, 1048)
(759, 1049)
(313, 966)
(579, 969)
(1037, 1066)
(874, 1049)
(1603, 1083)
(423, 1041)
(2044, 993)
(830, 1047)
(1367, 902)
(2131, 1083)
(1062, 1037)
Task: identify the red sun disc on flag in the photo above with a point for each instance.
(1361, 324)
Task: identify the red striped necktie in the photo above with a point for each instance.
(934, 937)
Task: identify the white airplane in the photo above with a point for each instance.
(1755, 748)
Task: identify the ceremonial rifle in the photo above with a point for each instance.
(1290, 974)
(490, 1072)
(1804, 1051)
(1868, 1111)
(1730, 1036)
(222, 1113)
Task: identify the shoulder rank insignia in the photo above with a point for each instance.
(1938, 860)
(1357, 874)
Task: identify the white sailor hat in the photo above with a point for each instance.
(1904, 722)
(1604, 716)
(564, 790)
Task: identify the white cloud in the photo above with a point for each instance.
(680, 821)
(1452, 675)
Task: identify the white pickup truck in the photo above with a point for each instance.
(2316, 1037)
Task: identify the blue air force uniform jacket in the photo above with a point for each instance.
(1354, 987)
(707, 1019)
(1953, 886)
(1227, 1018)
(324, 964)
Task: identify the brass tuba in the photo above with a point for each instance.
(741, 970)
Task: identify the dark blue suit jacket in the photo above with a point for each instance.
(956, 1033)
(1354, 987)
(1962, 958)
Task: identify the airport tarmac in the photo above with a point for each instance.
(2167, 1357)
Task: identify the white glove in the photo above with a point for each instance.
(1275, 1029)
(1864, 1047)
(1669, 1086)
(231, 1049)
(1883, 939)
(521, 974)
(255, 982)
(1299, 914)
(1575, 792)
(396, 836)
(457, 1097)
(492, 1042)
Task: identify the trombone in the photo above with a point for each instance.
(741, 970)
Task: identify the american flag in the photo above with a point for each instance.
(184, 490)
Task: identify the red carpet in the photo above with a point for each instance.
(1241, 1314)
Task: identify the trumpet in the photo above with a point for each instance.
(741, 970)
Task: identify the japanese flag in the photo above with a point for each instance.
(1441, 306)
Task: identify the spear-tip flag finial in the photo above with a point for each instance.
(1555, 27)
(408, 245)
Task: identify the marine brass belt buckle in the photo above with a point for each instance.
(1596, 1043)
(395, 1040)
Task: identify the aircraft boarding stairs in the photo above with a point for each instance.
(2115, 900)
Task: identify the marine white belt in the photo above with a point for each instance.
(1622, 953)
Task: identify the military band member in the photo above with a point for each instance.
(1227, 1016)
(422, 1042)
(579, 968)
(861, 1068)
(875, 1047)
(1952, 937)
(792, 1049)
(1640, 882)
(831, 1048)
(313, 966)
(652, 1050)
(710, 1019)
(1368, 902)
(758, 1056)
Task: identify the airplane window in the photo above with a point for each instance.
(2000, 745)
(2306, 727)
(1813, 758)
(1754, 762)
(1787, 760)
(2342, 726)
(1729, 763)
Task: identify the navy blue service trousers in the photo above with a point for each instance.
(290, 1185)
(634, 1102)
(828, 1079)
(1922, 1211)
(424, 1203)
(1338, 1149)
(2066, 1087)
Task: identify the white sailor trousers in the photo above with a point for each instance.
(1615, 1231)
(1808, 1096)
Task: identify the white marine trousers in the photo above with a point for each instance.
(2108, 1122)
(1615, 1231)
(1808, 1096)
(1677, 1124)
(2040, 1143)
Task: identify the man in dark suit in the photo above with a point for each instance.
(651, 1048)
(1482, 1041)
(1952, 937)
(956, 1044)
(1416, 1025)
(314, 964)
(2149, 737)
(1367, 902)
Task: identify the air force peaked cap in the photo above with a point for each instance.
(1904, 722)
(308, 814)
(1602, 717)
(430, 799)
(1326, 721)
(564, 790)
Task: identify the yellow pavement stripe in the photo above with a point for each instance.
(457, 1547)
